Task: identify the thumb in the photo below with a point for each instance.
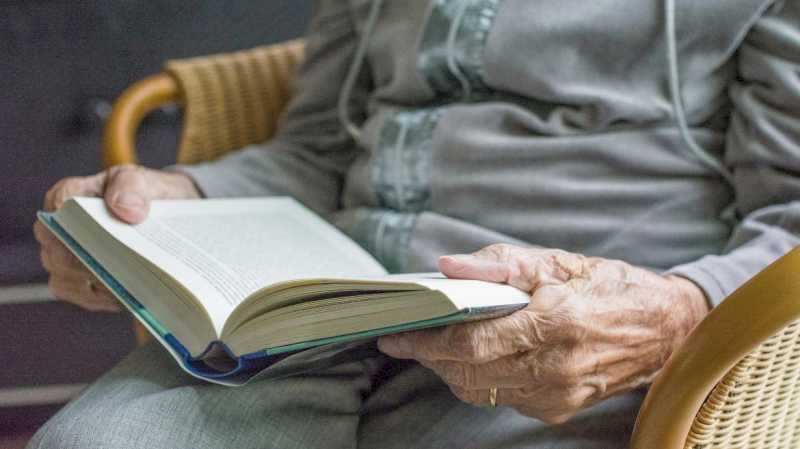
(127, 193)
(468, 266)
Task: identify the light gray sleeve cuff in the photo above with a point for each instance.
(714, 290)
(719, 276)
(209, 180)
(249, 172)
(278, 169)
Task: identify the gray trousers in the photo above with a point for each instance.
(373, 402)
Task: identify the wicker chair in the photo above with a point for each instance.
(735, 382)
(230, 101)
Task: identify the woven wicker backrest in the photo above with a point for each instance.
(234, 99)
(757, 404)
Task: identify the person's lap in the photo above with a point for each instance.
(373, 402)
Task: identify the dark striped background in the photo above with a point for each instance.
(62, 63)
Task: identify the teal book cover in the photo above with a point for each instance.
(237, 370)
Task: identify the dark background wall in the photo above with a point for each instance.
(62, 63)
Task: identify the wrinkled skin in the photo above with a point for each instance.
(127, 191)
(594, 328)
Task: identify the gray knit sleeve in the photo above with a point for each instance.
(311, 151)
(763, 153)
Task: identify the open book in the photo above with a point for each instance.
(227, 286)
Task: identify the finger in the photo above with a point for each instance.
(495, 263)
(74, 270)
(71, 289)
(551, 405)
(467, 266)
(463, 375)
(429, 344)
(412, 345)
(527, 269)
(482, 397)
(499, 373)
(106, 301)
(473, 342)
(58, 257)
(70, 187)
(43, 235)
(554, 412)
(55, 257)
(77, 290)
(76, 274)
(102, 299)
(554, 419)
(127, 193)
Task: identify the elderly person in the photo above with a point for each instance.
(628, 164)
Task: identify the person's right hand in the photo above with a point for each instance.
(127, 190)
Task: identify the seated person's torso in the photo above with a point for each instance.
(546, 123)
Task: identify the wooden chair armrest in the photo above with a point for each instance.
(132, 106)
(230, 100)
(752, 314)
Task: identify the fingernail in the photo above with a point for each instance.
(129, 200)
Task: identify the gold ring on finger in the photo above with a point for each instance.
(493, 397)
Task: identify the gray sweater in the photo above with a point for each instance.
(547, 123)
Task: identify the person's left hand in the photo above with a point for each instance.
(594, 328)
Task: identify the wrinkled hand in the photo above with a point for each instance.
(594, 328)
(127, 191)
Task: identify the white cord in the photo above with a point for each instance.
(343, 105)
(450, 51)
(677, 99)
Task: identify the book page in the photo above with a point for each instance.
(463, 293)
(224, 250)
(468, 294)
